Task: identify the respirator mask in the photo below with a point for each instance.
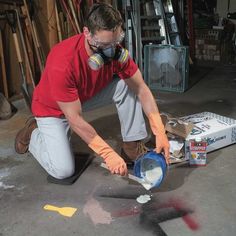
(105, 54)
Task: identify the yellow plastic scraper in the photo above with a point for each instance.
(65, 211)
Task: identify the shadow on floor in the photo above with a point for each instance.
(223, 107)
(82, 161)
(196, 73)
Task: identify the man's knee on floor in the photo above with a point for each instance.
(63, 172)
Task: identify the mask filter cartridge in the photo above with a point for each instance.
(98, 59)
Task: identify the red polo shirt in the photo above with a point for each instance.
(67, 77)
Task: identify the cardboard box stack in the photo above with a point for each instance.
(208, 45)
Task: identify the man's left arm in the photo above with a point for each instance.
(137, 84)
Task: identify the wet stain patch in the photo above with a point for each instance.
(122, 204)
(96, 213)
(8, 162)
(154, 212)
(4, 173)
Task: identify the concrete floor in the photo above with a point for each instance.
(191, 201)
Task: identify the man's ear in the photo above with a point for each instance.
(86, 31)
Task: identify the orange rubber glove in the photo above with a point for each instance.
(158, 130)
(114, 162)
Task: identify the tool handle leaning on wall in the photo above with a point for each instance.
(24, 49)
(11, 19)
(3, 67)
(38, 50)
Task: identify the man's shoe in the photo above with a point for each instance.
(131, 151)
(23, 136)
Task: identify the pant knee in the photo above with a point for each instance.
(63, 173)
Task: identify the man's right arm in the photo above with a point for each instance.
(73, 113)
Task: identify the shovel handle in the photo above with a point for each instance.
(17, 48)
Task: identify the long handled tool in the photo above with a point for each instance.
(58, 23)
(35, 39)
(3, 66)
(74, 15)
(24, 48)
(78, 11)
(29, 42)
(63, 3)
(39, 46)
(11, 19)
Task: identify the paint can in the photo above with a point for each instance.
(151, 167)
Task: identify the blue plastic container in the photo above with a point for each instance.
(151, 167)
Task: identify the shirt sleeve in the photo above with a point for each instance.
(127, 70)
(62, 84)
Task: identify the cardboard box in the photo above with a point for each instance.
(219, 131)
(177, 132)
(176, 126)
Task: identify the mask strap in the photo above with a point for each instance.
(92, 47)
(117, 52)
